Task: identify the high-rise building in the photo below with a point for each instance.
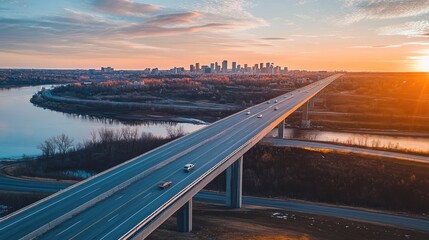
(261, 66)
(225, 66)
(217, 67)
(191, 68)
(205, 69)
(238, 68)
(212, 67)
(234, 66)
(197, 67)
(107, 69)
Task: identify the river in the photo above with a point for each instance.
(24, 126)
(402, 143)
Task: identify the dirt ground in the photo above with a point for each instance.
(217, 222)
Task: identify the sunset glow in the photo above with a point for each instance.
(135, 34)
(423, 64)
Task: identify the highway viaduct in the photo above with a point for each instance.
(125, 202)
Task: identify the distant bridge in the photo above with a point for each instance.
(126, 202)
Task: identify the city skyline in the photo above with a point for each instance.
(352, 35)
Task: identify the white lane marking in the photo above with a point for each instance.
(68, 228)
(89, 193)
(148, 195)
(191, 137)
(112, 218)
(210, 170)
(119, 197)
(222, 142)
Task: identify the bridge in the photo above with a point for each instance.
(126, 202)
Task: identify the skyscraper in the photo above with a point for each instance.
(217, 67)
(197, 66)
(225, 66)
(191, 68)
(234, 67)
(212, 67)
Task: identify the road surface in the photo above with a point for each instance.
(344, 149)
(109, 205)
(22, 185)
(325, 210)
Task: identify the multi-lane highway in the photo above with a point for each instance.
(109, 205)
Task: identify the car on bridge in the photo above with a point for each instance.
(260, 116)
(188, 167)
(276, 108)
(248, 113)
(165, 185)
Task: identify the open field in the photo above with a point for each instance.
(217, 222)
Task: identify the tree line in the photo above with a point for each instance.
(105, 149)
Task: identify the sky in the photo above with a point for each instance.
(352, 35)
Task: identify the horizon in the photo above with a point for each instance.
(336, 35)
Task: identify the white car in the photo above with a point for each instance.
(248, 113)
(260, 116)
(276, 108)
(188, 167)
(276, 101)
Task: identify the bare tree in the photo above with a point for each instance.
(175, 132)
(64, 143)
(48, 147)
(129, 134)
(93, 137)
(106, 135)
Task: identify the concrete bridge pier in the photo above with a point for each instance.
(305, 122)
(184, 217)
(281, 128)
(234, 175)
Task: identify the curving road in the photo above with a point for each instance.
(22, 185)
(325, 210)
(344, 149)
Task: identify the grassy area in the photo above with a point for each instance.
(217, 222)
(346, 179)
(375, 101)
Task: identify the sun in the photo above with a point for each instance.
(423, 63)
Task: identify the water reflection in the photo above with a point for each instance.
(24, 126)
(412, 144)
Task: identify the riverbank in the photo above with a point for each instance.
(195, 112)
(406, 143)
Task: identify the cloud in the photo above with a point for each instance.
(394, 45)
(410, 29)
(174, 18)
(233, 12)
(129, 30)
(385, 9)
(124, 7)
(274, 38)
